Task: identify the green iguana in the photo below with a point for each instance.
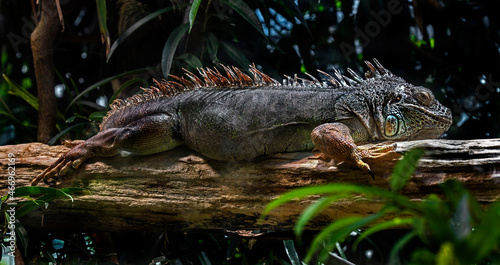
(233, 116)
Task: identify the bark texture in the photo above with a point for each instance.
(42, 40)
(181, 190)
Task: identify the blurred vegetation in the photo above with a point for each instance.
(450, 227)
(110, 48)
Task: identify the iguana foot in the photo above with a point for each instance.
(334, 141)
(69, 161)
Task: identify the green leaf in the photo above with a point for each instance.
(71, 119)
(122, 87)
(461, 220)
(246, 12)
(105, 81)
(396, 222)
(235, 54)
(445, 255)
(192, 60)
(404, 169)
(102, 16)
(341, 233)
(313, 210)
(33, 190)
(339, 188)
(12, 118)
(212, 46)
(484, 238)
(326, 233)
(19, 91)
(338, 231)
(137, 25)
(65, 131)
(170, 48)
(393, 256)
(192, 13)
(22, 236)
(291, 252)
(97, 116)
(49, 194)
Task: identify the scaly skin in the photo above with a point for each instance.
(236, 117)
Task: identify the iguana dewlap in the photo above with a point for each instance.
(233, 116)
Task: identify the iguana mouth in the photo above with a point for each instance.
(442, 117)
(428, 123)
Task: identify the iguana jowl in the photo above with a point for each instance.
(233, 116)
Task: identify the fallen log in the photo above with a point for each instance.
(181, 190)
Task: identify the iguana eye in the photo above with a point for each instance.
(425, 97)
(391, 125)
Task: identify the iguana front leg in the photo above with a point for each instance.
(148, 135)
(334, 141)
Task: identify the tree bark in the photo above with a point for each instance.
(42, 40)
(179, 189)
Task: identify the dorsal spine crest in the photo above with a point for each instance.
(235, 78)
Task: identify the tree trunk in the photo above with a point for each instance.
(42, 40)
(181, 190)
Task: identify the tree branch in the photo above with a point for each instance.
(182, 190)
(42, 40)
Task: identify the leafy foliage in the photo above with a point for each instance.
(454, 229)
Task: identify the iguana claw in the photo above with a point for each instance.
(67, 162)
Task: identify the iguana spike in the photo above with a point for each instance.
(261, 78)
(296, 80)
(231, 76)
(207, 80)
(372, 68)
(118, 103)
(183, 80)
(290, 81)
(313, 80)
(340, 77)
(224, 81)
(216, 78)
(196, 80)
(351, 82)
(304, 82)
(155, 92)
(243, 78)
(174, 88)
(331, 79)
(354, 75)
(157, 83)
(382, 70)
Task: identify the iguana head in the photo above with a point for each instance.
(408, 112)
(413, 113)
(389, 107)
